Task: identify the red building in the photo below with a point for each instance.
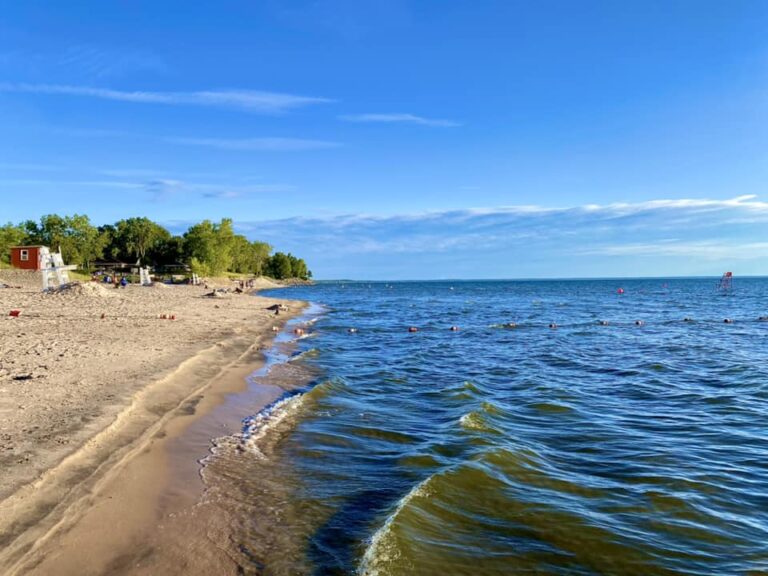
(26, 257)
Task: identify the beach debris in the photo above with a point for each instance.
(454, 328)
(639, 322)
(277, 307)
(14, 313)
(103, 315)
(412, 329)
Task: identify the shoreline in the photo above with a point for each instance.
(118, 475)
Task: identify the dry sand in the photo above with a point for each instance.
(90, 379)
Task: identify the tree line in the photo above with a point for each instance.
(209, 248)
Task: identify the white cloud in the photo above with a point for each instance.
(399, 118)
(248, 100)
(257, 144)
(719, 249)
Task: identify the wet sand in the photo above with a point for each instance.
(103, 502)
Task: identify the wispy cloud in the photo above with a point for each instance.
(248, 100)
(156, 188)
(257, 144)
(656, 237)
(97, 62)
(399, 118)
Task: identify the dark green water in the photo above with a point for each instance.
(585, 449)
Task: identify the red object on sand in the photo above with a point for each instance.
(15, 313)
(173, 316)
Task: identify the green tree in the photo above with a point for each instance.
(280, 266)
(136, 236)
(167, 251)
(209, 247)
(261, 251)
(77, 238)
(10, 235)
(84, 240)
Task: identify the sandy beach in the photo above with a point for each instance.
(94, 385)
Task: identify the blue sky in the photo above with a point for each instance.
(403, 139)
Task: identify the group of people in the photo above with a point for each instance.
(117, 281)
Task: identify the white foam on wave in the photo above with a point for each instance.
(256, 427)
(382, 549)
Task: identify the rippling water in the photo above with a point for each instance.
(584, 449)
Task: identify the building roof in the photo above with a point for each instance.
(30, 246)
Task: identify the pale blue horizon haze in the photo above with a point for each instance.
(403, 139)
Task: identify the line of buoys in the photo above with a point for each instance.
(554, 325)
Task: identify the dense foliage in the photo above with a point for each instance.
(209, 248)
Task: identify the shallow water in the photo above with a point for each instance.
(585, 449)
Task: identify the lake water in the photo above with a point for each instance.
(580, 449)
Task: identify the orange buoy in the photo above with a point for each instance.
(620, 291)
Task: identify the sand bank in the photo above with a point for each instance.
(90, 380)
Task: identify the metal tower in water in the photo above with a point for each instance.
(726, 283)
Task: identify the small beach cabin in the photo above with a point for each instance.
(26, 257)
